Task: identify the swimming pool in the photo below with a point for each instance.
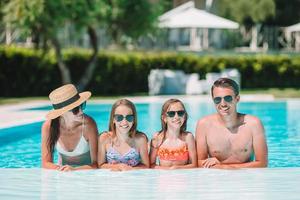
(20, 145)
(22, 178)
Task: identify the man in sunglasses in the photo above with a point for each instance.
(228, 139)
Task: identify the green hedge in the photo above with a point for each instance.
(27, 72)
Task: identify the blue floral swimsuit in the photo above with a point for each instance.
(131, 158)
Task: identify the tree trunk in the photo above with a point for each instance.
(253, 44)
(88, 74)
(64, 71)
(8, 35)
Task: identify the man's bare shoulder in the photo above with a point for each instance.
(207, 120)
(252, 120)
(254, 124)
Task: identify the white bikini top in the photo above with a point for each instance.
(81, 148)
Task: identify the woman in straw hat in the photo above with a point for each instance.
(70, 131)
(123, 147)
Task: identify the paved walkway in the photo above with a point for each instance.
(19, 114)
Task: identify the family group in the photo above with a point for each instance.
(226, 139)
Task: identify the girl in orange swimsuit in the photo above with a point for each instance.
(173, 147)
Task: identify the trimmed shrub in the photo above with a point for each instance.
(28, 72)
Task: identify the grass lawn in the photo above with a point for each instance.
(14, 100)
(277, 93)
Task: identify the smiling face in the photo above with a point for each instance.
(175, 116)
(123, 119)
(225, 100)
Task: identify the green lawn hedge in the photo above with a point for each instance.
(28, 72)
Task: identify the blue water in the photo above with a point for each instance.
(20, 146)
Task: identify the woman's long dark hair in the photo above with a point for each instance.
(54, 134)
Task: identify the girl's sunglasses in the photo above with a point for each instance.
(120, 118)
(180, 113)
(82, 106)
(227, 98)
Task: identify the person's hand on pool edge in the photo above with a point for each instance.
(66, 168)
(209, 162)
(122, 167)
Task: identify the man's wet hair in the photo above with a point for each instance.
(226, 83)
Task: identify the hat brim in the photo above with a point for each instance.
(58, 112)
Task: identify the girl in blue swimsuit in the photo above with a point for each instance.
(123, 147)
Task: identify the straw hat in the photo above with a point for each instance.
(64, 99)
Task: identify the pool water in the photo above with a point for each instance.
(20, 146)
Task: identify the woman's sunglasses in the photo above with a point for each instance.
(82, 106)
(180, 113)
(120, 118)
(227, 98)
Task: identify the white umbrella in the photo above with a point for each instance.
(293, 28)
(187, 16)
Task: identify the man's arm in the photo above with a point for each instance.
(259, 147)
(201, 143)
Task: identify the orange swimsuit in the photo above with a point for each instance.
(176, 154)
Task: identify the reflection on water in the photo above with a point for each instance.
(276, 183)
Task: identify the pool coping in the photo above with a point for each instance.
(201, 183)
(15, 114)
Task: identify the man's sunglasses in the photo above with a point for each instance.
(82, 106)
(180, 113)
(227, 98)
(120, 118)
